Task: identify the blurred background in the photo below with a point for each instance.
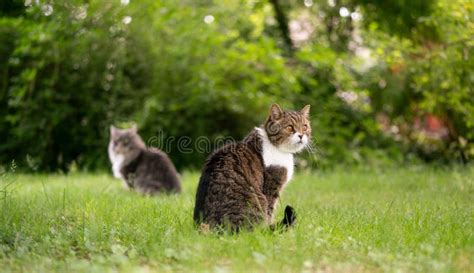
(389, 82)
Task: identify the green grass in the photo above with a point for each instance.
(397, 220)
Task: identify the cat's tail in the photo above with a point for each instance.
(289, 219)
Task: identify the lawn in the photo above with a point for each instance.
(416, 219)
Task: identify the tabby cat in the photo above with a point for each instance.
(147, 170)
(241, 182)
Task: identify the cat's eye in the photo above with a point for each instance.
(290, 128)
(305, 128)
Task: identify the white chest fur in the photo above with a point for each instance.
(117, 161)
(272, 156)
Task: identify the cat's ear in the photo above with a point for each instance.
(113, 131)
(275, 112)
(305, 111)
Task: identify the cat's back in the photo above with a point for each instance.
(232, 158)
(155, 167)
(246, 153)
(227, 175)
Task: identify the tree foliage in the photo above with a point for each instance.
(190, 69)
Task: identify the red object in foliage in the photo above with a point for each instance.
(433, 123)
(435, 127)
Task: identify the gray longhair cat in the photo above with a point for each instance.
(147, 170)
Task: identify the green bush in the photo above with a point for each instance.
(193, 69)
(431, 78)
(65, 79)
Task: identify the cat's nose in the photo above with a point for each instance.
(300, 136)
